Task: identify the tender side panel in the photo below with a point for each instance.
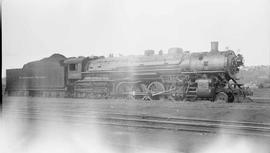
(13, 80)
(47, 75)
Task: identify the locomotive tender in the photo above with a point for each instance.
(177, 75)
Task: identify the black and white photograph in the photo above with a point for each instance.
(135, 76)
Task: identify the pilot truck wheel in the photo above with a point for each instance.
(221, 97)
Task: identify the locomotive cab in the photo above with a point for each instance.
(74, 68)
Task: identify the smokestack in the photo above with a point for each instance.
(214, 46)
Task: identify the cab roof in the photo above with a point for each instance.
(74, 60)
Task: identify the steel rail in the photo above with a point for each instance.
(152, 117)
(136, 115)
(163, 125)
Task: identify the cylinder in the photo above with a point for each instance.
(214, 46)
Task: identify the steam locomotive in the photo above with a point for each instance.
(176, 75)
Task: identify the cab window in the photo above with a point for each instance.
(73, 67)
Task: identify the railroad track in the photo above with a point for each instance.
(154, 122)
(254, 99)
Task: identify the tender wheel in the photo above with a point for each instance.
(156, 89)
(221, 97)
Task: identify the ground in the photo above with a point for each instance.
(261, 92)
(57, 131)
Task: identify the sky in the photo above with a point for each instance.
(34, 29)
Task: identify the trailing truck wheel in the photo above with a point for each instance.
(156, 89)
(221, 97)
(124, 89)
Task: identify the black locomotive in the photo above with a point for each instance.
(177, 75)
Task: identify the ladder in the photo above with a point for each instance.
(191, 92)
